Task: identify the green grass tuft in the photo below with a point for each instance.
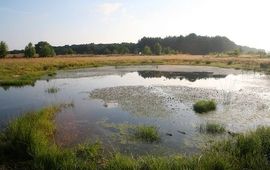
(204, 106)
(147, 133)
(212, 128)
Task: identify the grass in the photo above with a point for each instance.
(25, 71)
(52, 90)
(212, 128)
(147, 133)
(28, 143)
(204, 106)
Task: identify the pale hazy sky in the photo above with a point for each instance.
(60, 22)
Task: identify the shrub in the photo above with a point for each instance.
(147, 133)
(229, 62)
(44, 49)
(157, 49)
(3, 49)
(203, 106)
(29, 50)
(147, 51)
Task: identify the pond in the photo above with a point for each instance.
(108, 102)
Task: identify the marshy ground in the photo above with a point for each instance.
(125, 107)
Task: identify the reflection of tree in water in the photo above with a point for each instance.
(191, 76)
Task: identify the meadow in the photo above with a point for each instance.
(25, 71)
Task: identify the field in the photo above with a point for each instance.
(22, 71)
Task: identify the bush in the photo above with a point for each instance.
(44, 49)
(208, 62)
(204, 106)
(147, 133)
(229, 62)
(3, 49)
(157, 49)
(147, 51)
(29, 50)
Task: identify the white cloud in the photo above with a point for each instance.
(110, 8)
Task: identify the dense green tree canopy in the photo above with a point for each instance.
(29, 50)
(3, 49)
(44, 49)
(190, 44)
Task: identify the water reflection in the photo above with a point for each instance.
(191, 76)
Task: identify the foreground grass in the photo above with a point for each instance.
(204, 106)
(21, 71)
(27, 143)
(147, 133)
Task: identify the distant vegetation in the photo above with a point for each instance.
(28, 143)
(204, 106)
(29, 50)
(44, 49)
(3, 49)
(190, 44)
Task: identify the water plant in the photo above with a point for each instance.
(147, 133)
(212, 128)
(204, 106)
(52, 90)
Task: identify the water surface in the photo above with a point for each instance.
(110, 101)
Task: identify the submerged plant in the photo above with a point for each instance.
(52, 90)
(147, 133)
(203, 106)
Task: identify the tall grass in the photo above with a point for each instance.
(147, 133)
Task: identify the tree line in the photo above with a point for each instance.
(190, 44)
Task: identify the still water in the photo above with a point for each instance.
(109, 102)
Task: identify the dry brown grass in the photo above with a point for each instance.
(20, 71)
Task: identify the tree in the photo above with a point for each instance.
(157, 49)
(70, 51)
(3, 49)
(44, 49)
(29, 50)
(147, 50)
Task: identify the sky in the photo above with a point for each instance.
(61, 22)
